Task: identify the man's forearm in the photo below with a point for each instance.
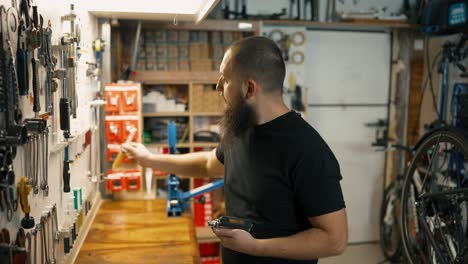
(191, 165)
(310, 244)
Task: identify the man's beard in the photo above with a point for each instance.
(237, 119)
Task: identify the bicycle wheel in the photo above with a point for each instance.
(434, 208)
(390, 235)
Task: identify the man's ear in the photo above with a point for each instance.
(252, 88)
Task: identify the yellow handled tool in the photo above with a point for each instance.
(121, 154)
(23, 189)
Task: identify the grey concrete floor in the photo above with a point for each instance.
(367, 253)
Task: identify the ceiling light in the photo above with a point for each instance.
(185, 10)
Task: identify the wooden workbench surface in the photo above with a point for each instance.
(139, 232)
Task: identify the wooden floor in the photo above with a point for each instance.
(139, 232)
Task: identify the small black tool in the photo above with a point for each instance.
(231, 223)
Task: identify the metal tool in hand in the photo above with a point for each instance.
(231, 223)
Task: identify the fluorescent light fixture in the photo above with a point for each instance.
(243, 25)
(185, 10)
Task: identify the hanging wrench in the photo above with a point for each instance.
(44, 249)
(54, 231)
(34, 233)
(28, 239)
(45, 162)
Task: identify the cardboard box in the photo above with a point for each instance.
(203, 37)
(151, 64)
(184, 36)
(217, 51)
(172, 51)
(184, 65)
(227, 37)
(160, 36)
(193, 36)
(172, 36)
(173, 65)
(215, 37)
(201, 64)
(161, 64)
(184, 51)
(161, 51)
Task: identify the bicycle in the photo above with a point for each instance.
(434, 202)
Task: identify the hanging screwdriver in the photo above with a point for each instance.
(66, 171)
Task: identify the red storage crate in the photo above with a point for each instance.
(113, 129)
(129, 123)
(130, 99)
(113, 100)
(116, 181)
(133, 179)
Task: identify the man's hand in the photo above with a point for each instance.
(238, 240)
(136, 151)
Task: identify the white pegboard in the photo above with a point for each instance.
(86, 89)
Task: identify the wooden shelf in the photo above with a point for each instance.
(165, 114)
(206, 114)
(362, 24)
(176, 77)
(205, 235)
(205, 25)
(205, 144)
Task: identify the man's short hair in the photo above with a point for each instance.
(259, 58)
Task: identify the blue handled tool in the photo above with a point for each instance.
(177, 200)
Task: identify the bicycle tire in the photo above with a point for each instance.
(390, 235)
(459, 141)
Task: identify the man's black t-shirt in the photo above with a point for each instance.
(278, 174)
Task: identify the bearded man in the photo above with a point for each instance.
(279, 172)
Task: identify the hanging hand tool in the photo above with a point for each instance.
(21, 52)
(6, 198)
(20, 253)
(43, 230)
(23, 191)
(45, 162)
(66, 171)
(298, 17)
(34, 232)
(37, 36)
(35, 83)
(54, 230)
(70, 47)
(5, 248)
(49, 62)
(12, 132)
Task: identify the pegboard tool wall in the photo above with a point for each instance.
(86, 88)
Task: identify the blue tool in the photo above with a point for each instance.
(177, 201)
